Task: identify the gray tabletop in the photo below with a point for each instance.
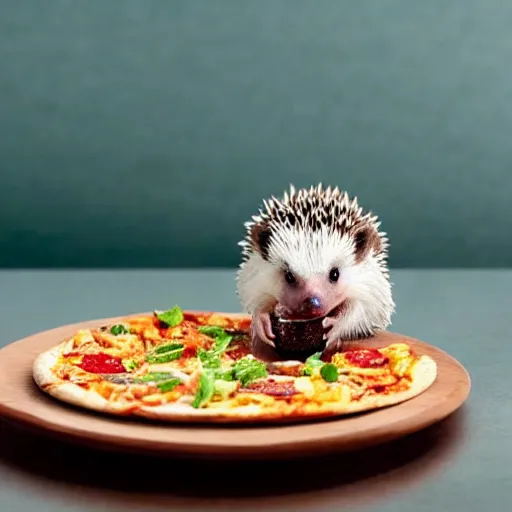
(464, 462)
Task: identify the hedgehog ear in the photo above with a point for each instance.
(260, 237)
(366, 239)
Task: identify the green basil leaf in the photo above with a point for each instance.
(221, 337)
(209, 359)
(166, 357)
(226, 375)
(131, 365)
(156, 376)
(171, 317)
(168, 385)
(212, 330)
(312, 362)
(247, 370)
(204, 391)
(222, 343)
(118, 329)
(167, 347)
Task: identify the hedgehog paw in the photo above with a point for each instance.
(262, 328)
(329, 322)
(334, 340)
(334, 345)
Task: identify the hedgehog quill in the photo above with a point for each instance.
(315, 254)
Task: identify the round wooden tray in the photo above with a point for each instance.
(23, 402)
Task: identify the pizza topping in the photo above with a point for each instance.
(305, 386)
(238, 351)
(73, 355)
(385, 378)
(221, 337)
(209, 359)
(164, 381)
(329, 372)
(170, 318)
(212, 358)
(130, 364)
(189, 352)
(402, 366)
(366, 358)
(119, 378)
(186, 331)
(312, 364)
(119, 329)
(219, 379)
(212, 363)
(156, 376)
(248, 369)
(352, 378)
(167, 347)
(400, 358)
(165, 353)
(272, 388)
(287, 368)
(212, 330)
(204, 391)
(315, 366)
(224, 389)
(101, 363)
(168, 385)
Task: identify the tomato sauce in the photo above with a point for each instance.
(366, 358)
(101, 363)
(238, 351)
(189, 352)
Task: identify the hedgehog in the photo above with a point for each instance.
(315, 254)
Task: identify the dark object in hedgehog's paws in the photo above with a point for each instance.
(298, 340)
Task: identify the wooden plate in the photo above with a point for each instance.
(22, 401)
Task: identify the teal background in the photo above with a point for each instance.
(144, 133)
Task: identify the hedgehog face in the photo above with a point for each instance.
(304, 298)
(314, 253)
(319, 271)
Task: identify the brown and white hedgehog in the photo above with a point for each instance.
(316, 254)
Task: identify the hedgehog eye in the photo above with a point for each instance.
(334, 275)
(289, 277)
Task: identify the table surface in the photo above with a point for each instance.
(465, 461)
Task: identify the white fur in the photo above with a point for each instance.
(307, 253)
(370, 302)
(258, 284)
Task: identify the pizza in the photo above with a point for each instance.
(175, 365)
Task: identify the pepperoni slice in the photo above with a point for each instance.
(272, 388)
(189, 352)
(366, 358)
(101, 363)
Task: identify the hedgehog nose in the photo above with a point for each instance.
(310, 304)
(315, 302)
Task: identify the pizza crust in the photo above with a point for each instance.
(423, 375)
